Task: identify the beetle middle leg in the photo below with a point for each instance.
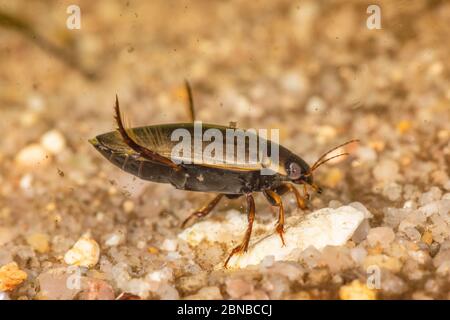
(275, 199)
(250, 217)
(204, 211)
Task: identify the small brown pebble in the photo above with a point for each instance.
(318, 276)
(404, 126)
(153, 250)
(39, 242)
(11, 276)
(427, 237)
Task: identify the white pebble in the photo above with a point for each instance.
(26, 181)
(141, 244)
(410, 204)
(358, 254)
(168, 292)
(386, 170)
(138, 287)
(366, 154)
(31, 155)
(173, 255)
(35, 103)
(434, 194)
(360, 207)
(392, 191)
(169, 245)
(294, 82)
(413, 234)
(420, 256)
(381, 235)
(315, 105)
(444, 268)
(165, 274)
(310, 256)
(53, 141)
(85, 252)
(430, 208)
(268, 261)
(114, 239)
(4, 296)
(214, 231)
(319, 229)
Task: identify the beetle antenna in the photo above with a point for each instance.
(319, 161)
(328, 159)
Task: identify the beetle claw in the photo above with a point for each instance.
(280, 230)
(240, 249)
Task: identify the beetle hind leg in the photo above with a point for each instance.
(250, 217)
(190, 100)
(275, 200)
(204, 211)
(140, 149)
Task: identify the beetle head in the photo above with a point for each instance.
(299, 172)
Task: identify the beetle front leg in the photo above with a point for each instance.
(250, 217)
(301, 201)
(205, 210)
(275, 199)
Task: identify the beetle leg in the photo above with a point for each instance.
(205, 210)
(305, 190)
(275, 199)
(250, 217)
(143, 151)
(190, 99)
(287, 187)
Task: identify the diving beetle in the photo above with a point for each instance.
(145, 152)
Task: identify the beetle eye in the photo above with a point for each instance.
(295, 171)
